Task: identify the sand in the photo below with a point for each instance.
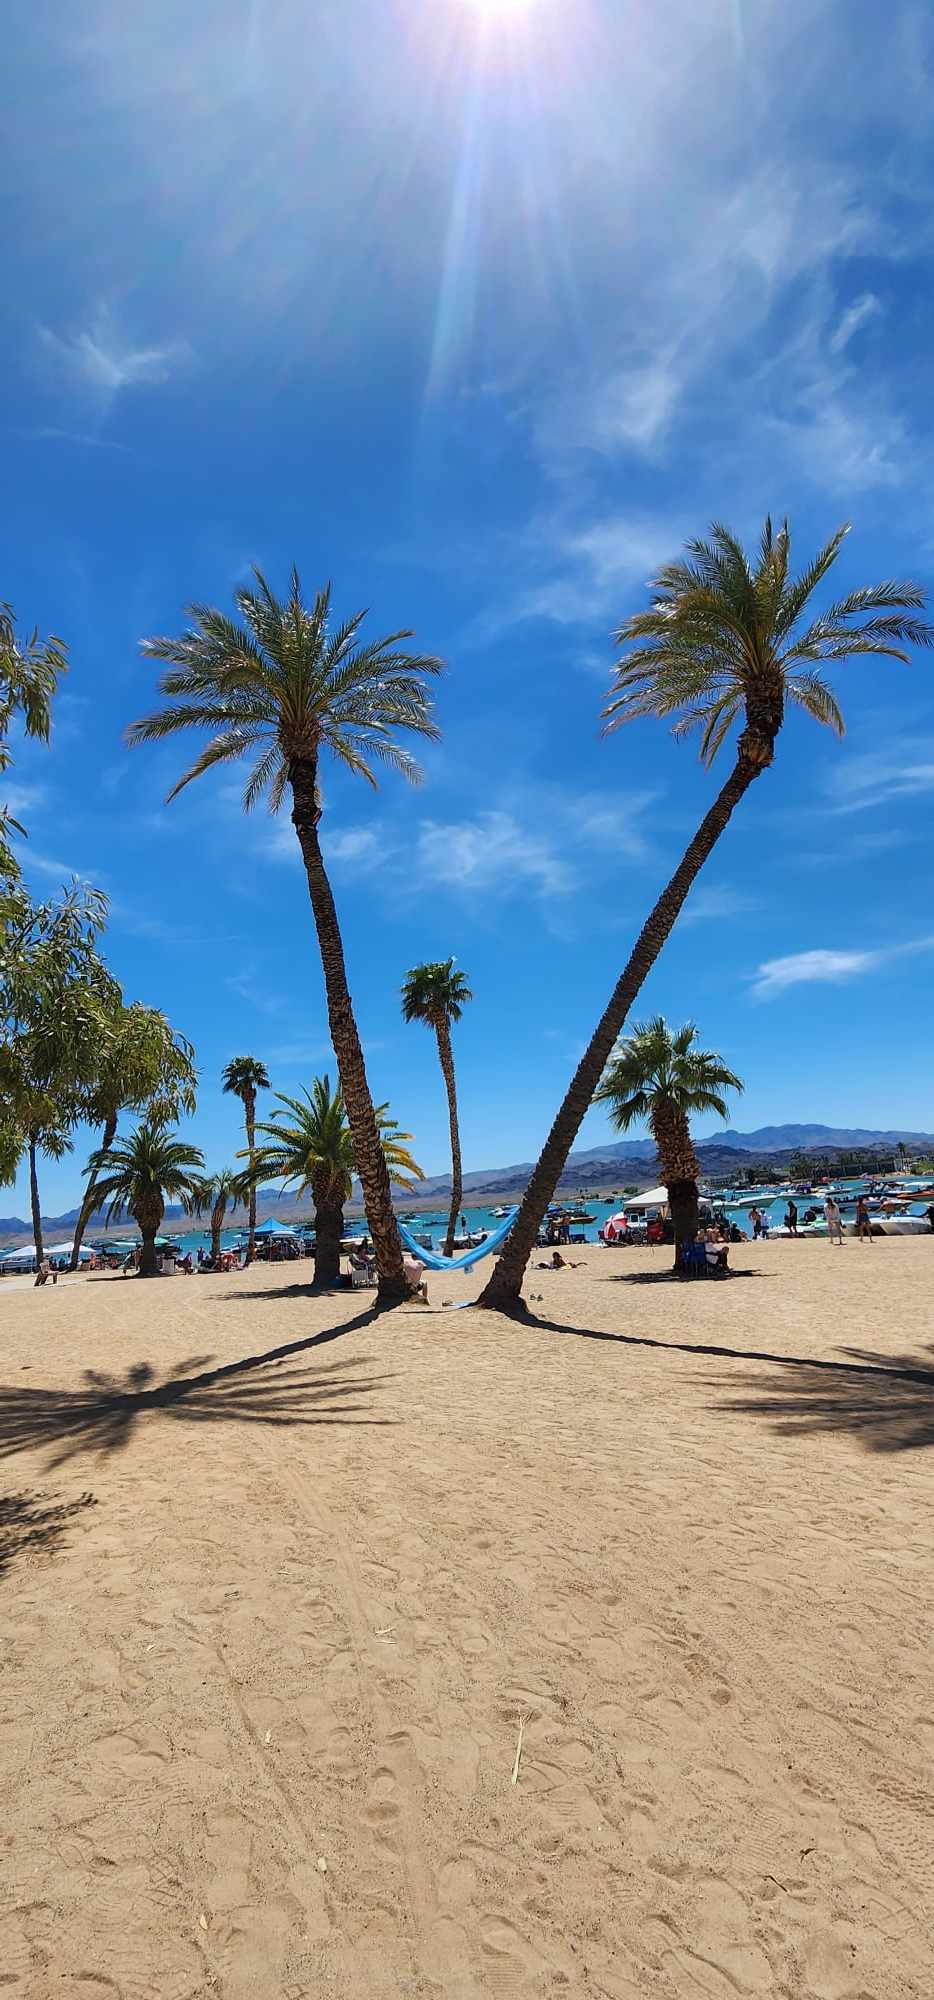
(267, 1636)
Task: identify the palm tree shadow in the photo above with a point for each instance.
(885, 1402)
(31, 1521)
(104, 1414)
(672, 1277)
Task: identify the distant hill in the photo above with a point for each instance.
(606, 1166)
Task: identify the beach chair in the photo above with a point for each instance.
(694, 1260)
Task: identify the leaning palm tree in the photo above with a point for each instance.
(309, 1144)
(661, 1078)
(725, 642)
(284, 687)
(215, 1195)
(139, 1172)
(243, 1077)
(437, 995)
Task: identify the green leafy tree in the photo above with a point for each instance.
(285, 686)
(29, 674)
(243, 1077)
(139, 1173)
(309, 1145)
(56, 1000)
(144, 1066)
(729, 641)
(437, 995)
(662, 1080)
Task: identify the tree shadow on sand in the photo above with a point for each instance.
(671, 1277)
(31, 1521)
(884, 1401)
(104, 1413)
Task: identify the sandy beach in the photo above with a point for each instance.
(281, 1582)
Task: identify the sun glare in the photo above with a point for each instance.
(501, 10)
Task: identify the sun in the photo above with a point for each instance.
(501, 10)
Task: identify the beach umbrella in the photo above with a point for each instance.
(615, 1225)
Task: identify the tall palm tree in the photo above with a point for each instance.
(217, 1193)
(725, 642)
(143, 1065)
(139, 1172)
(662, 1078)
(29, 676)
(243, 1077)
(310, 1145)
(436, 994)
(284, 686)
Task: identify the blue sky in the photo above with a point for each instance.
(478, 308)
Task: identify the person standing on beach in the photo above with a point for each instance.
(756, 1220)
(791, 1218)
(834, 1220)
(863, 1223)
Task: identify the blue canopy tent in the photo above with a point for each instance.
(433, 1262)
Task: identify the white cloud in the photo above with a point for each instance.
(717, 903)
(23, 798)
(865, 308)
(491, 851)
(98, 362)
(865, 782)
(342, 846)
(823, 966)
(590, 570)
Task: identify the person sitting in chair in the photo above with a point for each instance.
(415, 1277)
(717, 1251)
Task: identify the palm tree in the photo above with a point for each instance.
(29, 676)
(218, 1192)
(310, 1145)
(243, 1077)
(285, 687)
(724, 642)
(437, 995)
(137, 1173)
(143, 1065)
(661, 1078)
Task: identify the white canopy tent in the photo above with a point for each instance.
(65, 1250)
(652, 1198)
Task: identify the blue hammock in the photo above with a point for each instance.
(468, 1257)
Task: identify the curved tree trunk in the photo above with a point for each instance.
(148, 1213)
(87, 1206)
(446, 1059)
(34, 1198)
(503, 1289)
(217, 1224)
(249, 1106)
(329, 1228)
(368, 1153)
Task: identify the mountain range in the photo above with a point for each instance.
(592, 1166)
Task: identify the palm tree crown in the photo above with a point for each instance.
(725, 638)
(284, 684)
(654, 1070)
(310, 1145)
(243, 1075)
(434, 993)
(150, 1162)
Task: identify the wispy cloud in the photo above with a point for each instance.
(590, 569)
(823, 967)
(98, 362)
(490, 851)
(249, 986)
(865, 308)
(52, 434)
(717, 903)
(899, 770)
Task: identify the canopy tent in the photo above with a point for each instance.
(272, 1228)
(433, 1262)
(652, 1198)
(24, 1256)
(65, 1250)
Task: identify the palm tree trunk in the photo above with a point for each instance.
(368, 1153)
(680, 1172)
(329, 1228)
(87, 1206)
(34, 1198)
(446, 1059)
(503, 1290)
(217, 1223)
(148, 1213)
(249, 1106)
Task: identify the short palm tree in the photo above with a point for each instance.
(284, 686)
(243, 1077)
(437, 995)
(309, 1144)
(728, 640)
(143, 1065)
(661, 1078)
(216, 1194)
(139, 1172)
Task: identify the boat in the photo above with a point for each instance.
(471, 1241)
(500, 1214)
